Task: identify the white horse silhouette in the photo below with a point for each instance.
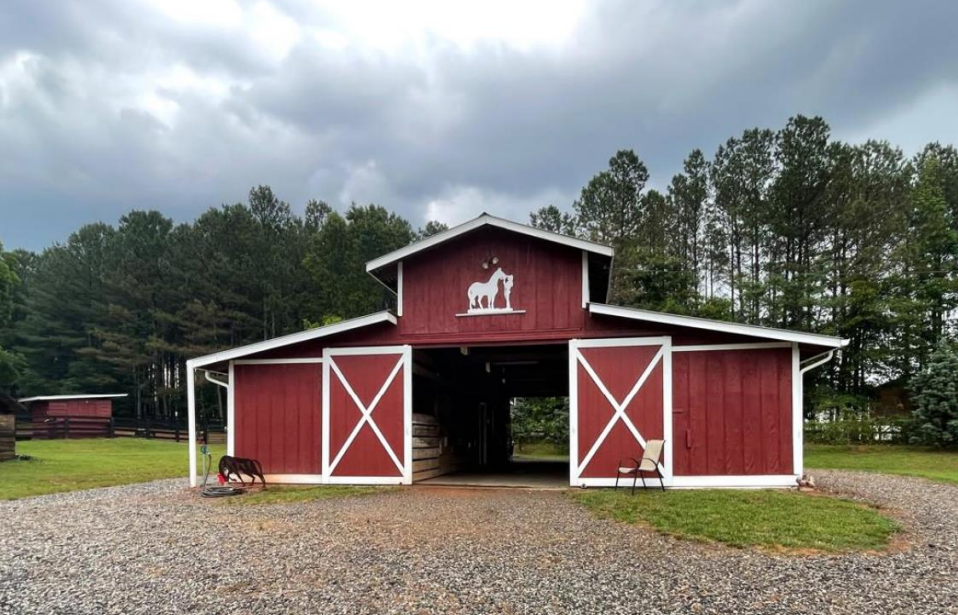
(489, 290)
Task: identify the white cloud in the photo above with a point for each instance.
(458, 204)
(434, 109)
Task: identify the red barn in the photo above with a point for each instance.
(86, 406)
(71, 416)
(492, 310)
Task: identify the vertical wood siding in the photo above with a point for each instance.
(732, 412)
(73, 407)
(548, 286)
(278, 415)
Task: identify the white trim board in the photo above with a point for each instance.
(717, 325)
(276, 361)
(490, 313)
(293, 338)
(64, 397)
(764, 481)
(708, 347)
(585, 280)
(485, 220)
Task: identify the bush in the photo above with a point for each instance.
(936, 399)
(860, 430)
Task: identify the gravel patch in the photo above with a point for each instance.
(155, 548)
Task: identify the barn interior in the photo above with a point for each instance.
(462, 408)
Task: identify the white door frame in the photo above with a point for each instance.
(576, 359)
(331, 370)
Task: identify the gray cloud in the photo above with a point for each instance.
(113, 105)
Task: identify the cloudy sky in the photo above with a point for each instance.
(436, 109)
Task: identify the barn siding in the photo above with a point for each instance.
(278, 416)
(73, 407)
(548, 286)
(732, 412)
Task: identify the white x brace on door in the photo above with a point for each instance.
(367, 415)
(620, 396)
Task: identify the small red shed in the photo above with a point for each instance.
(86, 406)
(492, 310)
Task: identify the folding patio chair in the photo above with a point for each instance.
(648, 463)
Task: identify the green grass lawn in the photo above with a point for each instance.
(771, 519)
(290, 495)
(70, 465)
(887, 459)
(541, 450)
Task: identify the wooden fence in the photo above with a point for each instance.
(75, 427)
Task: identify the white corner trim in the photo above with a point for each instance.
(191, 422)
(293, 338)
(708, 347)
(277, 361)
(231, 414)
(798, 413)
(399, 288)
(324, 440)
(717, 325)
(585, 280)
(485, 220)
(573, 412)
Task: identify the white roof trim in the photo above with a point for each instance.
(293, 338)
(718, 325)
(486, 220)
(58, 397)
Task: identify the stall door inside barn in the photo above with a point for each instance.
(367, 419)
(620, 397)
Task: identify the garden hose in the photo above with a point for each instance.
(214, 492)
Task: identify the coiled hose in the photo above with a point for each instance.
(214, 492)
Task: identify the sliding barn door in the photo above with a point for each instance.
(367, 414)
(620, 394)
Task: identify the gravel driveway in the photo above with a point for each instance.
(155, 549)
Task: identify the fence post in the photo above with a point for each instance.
(206, 432)
(112, 427)
(176, 430)
(148, 432)
(66, 428)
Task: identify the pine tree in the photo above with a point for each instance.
(936, 399)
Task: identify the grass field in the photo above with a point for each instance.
(541, 450)
(771, 519)
(69, 465)
(906, 460)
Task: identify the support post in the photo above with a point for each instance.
(191, 418)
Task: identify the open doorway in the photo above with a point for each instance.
(475, 410)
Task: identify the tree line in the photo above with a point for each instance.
(787, 228)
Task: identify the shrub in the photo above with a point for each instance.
(936, 399)
(860, 430)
